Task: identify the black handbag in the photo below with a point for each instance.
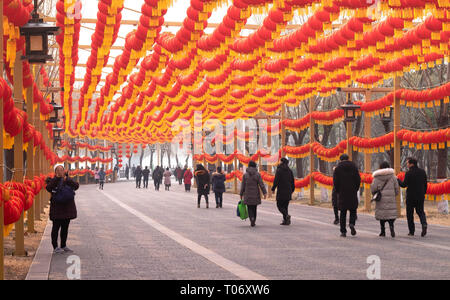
(376, 197)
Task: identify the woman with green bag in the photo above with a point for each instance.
(250, 191)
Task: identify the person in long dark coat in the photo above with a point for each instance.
(218, 183)
(157, 176)
(416, 184)
(346, 182)
(203, 184)
(284, 183)
(250, 191)
(179, 175)
(138, 176)
(145, 175)
(61, 213)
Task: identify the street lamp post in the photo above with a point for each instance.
(36, 34)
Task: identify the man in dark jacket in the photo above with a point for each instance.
(218, 185)
(138, 176)
(179, 175)
(285, 185)
(416, 184)
(346, 182)
(157, 176)
(61, 213)
(145, 175)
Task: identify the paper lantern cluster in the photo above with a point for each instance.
(16, 120)
(68, 18)
(18, 197)
(74, 159)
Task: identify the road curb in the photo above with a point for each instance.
(40, 267)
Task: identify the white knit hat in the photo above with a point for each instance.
(58, 165)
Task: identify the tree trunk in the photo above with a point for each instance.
(142, 157)
(151, 158)
(187, 159)
(298, 139)
(9, 162)
(323, 165)
(356, 132)
(129, 160)
(443, 153)
(168, 156)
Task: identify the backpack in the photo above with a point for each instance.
(64, 194)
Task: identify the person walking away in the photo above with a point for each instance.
(346, 182)
(178, 175)
(145, 175)
(96, 177)
(203, 184)
(101, 178)
(384, 180)
(138, 176)
(285, 185)
(156, 178)
(250, 191)
(167, 181)
(416, 187)
(187, 180)
(218, 185)
(61, 213)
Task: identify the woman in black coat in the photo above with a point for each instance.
(346, 182)
(285, 185)
(218, 183)
(61, 213)
(203, 184)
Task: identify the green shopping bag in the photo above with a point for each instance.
(242, 208)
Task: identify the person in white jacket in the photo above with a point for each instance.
(385, 180)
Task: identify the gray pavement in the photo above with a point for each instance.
(128, 233)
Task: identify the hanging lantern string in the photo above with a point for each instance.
(426, 129)
(425, 87)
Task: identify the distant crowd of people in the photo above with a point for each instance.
(346, 184)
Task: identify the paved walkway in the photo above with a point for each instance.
(128, 233)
